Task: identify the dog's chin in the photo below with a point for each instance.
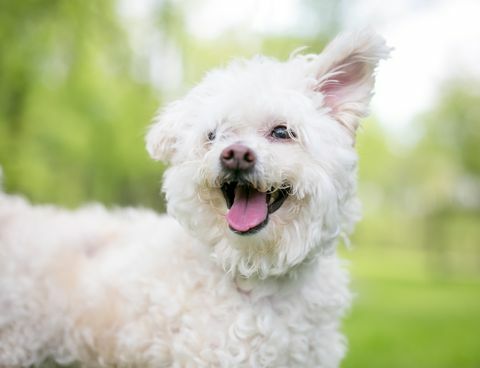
(249, 208)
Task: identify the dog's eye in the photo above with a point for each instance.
(282, 132)
(211, 136)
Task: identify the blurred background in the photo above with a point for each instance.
(81, 80)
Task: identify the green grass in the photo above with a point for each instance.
(404, 317)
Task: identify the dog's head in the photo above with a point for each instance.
(262, 154)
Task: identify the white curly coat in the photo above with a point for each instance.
(130, 288)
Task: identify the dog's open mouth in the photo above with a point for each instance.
(248, 208)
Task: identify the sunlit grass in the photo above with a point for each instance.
(404, 317)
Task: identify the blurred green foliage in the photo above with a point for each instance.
(75, 104)
(426, 195)
(72, 118)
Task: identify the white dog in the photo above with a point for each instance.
(261, 182)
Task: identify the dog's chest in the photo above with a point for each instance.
(261, 327)
(203, 318)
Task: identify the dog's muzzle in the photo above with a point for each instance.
(248, 208)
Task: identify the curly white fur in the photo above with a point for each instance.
(129, 288)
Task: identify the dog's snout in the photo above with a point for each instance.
(237, 157)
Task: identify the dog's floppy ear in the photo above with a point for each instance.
(345, 75)
(162, 137)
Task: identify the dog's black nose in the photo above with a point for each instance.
(237, 157)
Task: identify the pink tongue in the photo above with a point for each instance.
(249, 209)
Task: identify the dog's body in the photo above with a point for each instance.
(126, 297)
(262, 181)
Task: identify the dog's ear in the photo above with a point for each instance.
(162, 137)
(345, 75)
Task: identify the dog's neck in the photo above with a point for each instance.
(298, 274)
